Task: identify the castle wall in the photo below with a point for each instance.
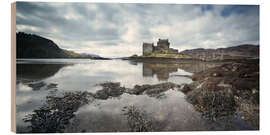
(147, 48)
(171, 50)
(158, 49)
(164, 44)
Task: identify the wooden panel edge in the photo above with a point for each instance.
(13, 67)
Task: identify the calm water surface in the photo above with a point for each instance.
(38, 78)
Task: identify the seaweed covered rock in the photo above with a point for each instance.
(241, 75)
(52, 86)
(230, 89)
(185, 88)
(213, 104)
(152, 90)
(138, 89)
(138, 120)
(159, 88)
(109, 89)
(56, 112)
(113, 89)
(37, 86)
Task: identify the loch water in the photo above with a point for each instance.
(39, 78)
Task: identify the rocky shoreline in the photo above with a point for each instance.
(226, 90)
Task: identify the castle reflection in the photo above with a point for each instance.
(163, 70)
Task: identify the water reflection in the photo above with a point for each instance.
(33, 75)
(38, 71)
(198, 66)
(163, 70)
(36, 80)
(66, 110)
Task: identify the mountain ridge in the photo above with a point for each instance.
(242, 51)
(34, 46)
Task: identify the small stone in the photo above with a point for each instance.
(185, 88)
(216, 74)
(254, 91)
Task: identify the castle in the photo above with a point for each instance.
(163, 46)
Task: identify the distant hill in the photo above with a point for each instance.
(90, 55)
(34, 46)
(236, 52)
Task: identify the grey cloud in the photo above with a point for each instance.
(79, 25)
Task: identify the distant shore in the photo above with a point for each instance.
(99, 58)
(179, 60)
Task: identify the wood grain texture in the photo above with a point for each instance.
(13, 67)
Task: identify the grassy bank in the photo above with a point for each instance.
(163, 55)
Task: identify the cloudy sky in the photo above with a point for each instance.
(114, 30)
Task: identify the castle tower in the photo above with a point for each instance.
(147, 48)
(163, 45)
